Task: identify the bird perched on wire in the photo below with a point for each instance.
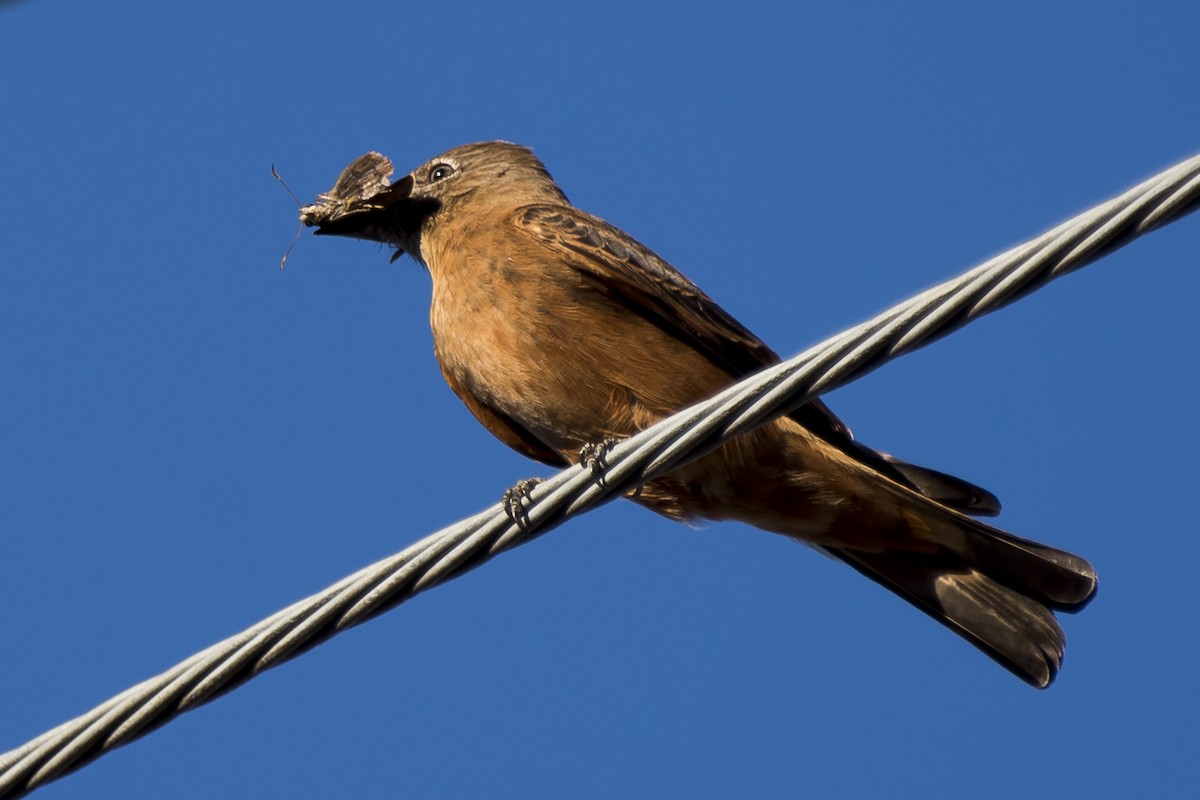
(558, 331)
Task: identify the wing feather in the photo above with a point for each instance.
(630, 273)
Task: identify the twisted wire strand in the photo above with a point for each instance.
(681, 438)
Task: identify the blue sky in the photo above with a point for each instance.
(191, 439)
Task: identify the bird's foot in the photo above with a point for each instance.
(513, 500)
(592, 455)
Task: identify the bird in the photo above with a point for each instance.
(559, 330)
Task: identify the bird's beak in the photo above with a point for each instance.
(364, 205)
(358, 210)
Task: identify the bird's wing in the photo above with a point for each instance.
(633, 275)
(629, 272)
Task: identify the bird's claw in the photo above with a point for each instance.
(592, 455)
(513, 500)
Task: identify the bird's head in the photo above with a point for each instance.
(481, 176)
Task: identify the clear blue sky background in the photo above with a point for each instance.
(191, 439)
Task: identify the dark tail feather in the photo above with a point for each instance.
(998, 594)
(1056, 578)
(946, 489)
(962, 496)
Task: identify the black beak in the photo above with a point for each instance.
(363, 205)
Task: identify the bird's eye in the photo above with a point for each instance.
(440, 172)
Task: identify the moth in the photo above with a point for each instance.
(364, 180)
(364, 204)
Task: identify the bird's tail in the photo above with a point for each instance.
(996, 590)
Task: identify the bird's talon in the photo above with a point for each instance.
(513, 500)
(592, 454)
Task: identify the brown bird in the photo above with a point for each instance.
(559, 330)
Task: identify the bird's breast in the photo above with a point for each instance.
(518, 343)
(544, 347)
